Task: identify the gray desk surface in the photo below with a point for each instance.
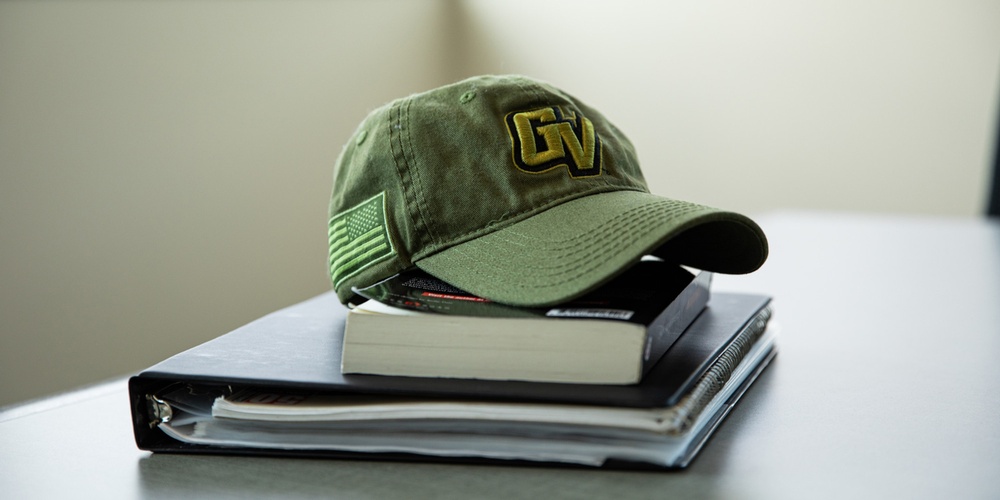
(887, 386)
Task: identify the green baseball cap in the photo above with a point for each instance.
(515, 191)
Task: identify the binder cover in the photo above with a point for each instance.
(299, 348)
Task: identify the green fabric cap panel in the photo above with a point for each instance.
(452, 180)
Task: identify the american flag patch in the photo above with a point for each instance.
(358, 238)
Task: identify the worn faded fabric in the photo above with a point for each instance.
(515, 191)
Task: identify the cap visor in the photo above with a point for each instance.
(574, 247)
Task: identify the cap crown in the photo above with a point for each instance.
(426, 172)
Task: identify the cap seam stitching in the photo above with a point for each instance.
(650, 207)
(634, 232)
(415, 174)
(402, 171)
(483, 231)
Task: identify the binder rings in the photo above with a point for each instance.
(297, 350)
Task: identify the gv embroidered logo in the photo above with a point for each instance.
(548, 138)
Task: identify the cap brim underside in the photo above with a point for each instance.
(575, 247)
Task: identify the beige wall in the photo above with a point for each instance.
(833, 105)
(165, 166)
